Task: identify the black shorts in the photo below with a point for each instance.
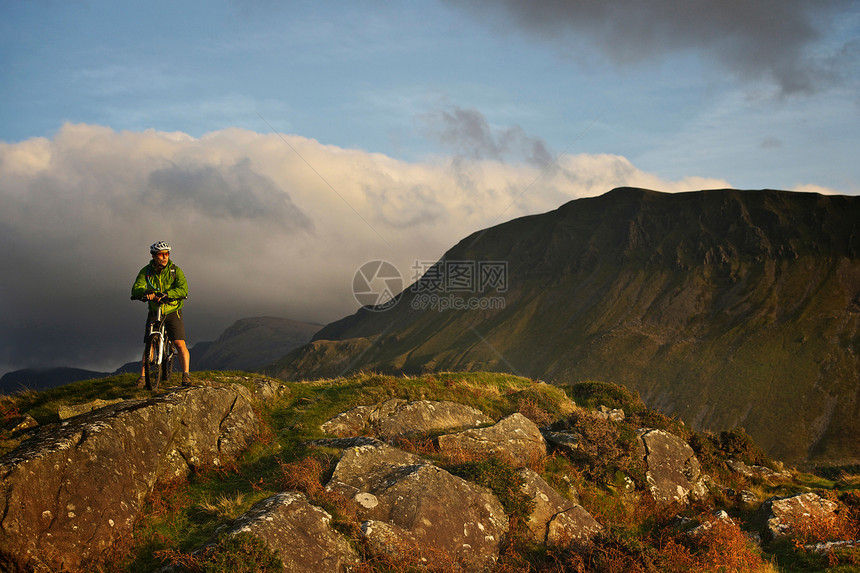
(173, 323)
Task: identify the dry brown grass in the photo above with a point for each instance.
(224, 506)
(848, 480)
(168, 497)
(529, 408)
(306, 475)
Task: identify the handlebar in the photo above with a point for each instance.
(161, 299)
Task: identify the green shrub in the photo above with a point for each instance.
(503, 480)
(592, 395)
(606, 447)
(738, 444)
(242, 553)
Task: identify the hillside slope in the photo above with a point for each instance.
(254, 342)
(725, 307)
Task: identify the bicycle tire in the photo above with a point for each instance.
(151, 368)
(167, 363)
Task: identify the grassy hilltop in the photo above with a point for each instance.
(182, 515)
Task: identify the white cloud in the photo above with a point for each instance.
(261, 224)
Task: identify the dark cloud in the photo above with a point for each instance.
(234, 191)
(751, 39)
(468, 133)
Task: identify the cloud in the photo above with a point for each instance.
(262, 224)
(467, 132)
(223, 192)
(777, 39)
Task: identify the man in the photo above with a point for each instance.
(161, 277)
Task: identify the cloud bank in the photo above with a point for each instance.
(780, 40)
(262, 224)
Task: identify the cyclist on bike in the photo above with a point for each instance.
(161, 278)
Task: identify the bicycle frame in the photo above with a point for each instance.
(159, 351)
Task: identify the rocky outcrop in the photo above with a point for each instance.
(410, 506)
(299, 532)
(784, 515)
(760, 472)
(70, 491)
(555, 519)
(397, 417)
(672, 469)
(514, 438)
(70, 411)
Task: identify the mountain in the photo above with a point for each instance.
(44, 378)
(724, 307)
(248, 344)
(251, 343)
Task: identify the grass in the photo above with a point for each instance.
(180, 516)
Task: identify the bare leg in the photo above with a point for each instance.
(184, 355)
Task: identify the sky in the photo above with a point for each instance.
(280, 146)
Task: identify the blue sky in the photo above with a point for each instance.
(305, 138)
(364, 74)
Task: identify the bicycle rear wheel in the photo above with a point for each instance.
(151, 367)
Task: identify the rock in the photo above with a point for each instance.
(783, 515)
(22, 424)
(384, 538)
(299, 532)
(359, 466)
(555, 519)
(672, 469)
(567, 442)
(75, 487)
(760, 472)
(515, 438)
(701, 530)
(410, 503)
(397, 417)
(829, 546)
(266, 389)
(744, 496)
(65, 412)
(611, 414)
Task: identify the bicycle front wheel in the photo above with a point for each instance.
(167, 362)
(152, 357)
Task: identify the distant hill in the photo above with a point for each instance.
(44, 378)
(246, 345)
(251, 343)
(726, 307)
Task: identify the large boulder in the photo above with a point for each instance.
(398, 417)
(412, 507)
(66, 411)
(70, 491)
(299, 532)
(555, 519)
(785, 516)
(672, 469)
(514, 438)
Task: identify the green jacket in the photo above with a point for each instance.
(170, 280)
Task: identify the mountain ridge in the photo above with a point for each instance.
(725, 307)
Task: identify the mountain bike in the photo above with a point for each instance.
(159, 351)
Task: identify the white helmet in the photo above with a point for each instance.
(159, 246)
